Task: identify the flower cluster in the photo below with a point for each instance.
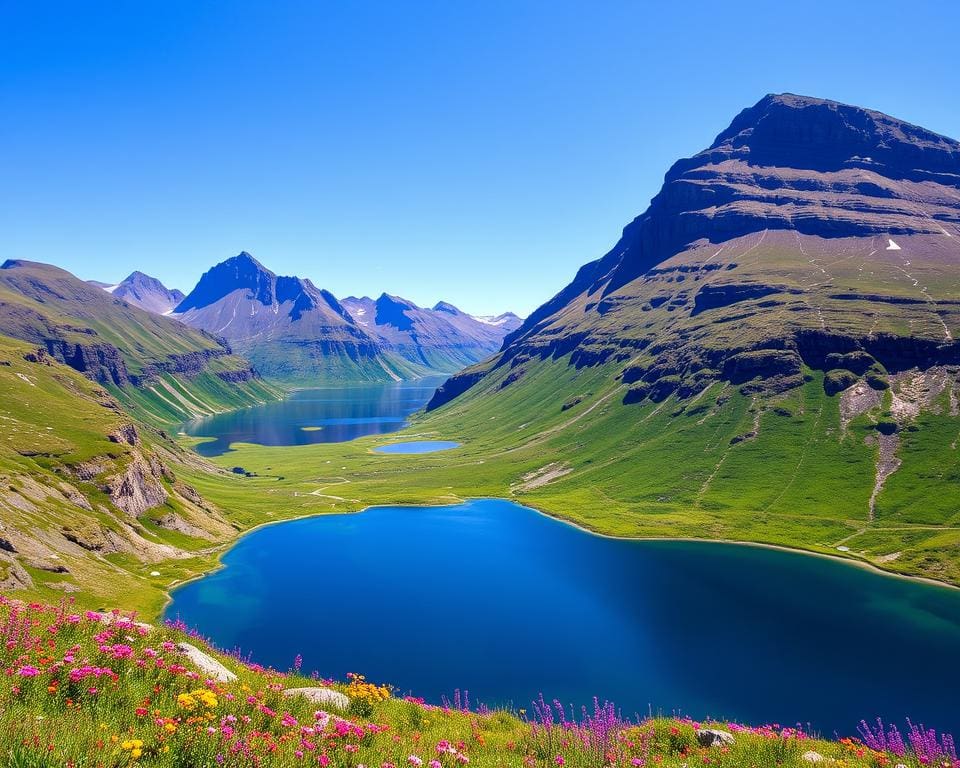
(92, 689)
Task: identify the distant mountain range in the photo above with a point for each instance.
(293, 331)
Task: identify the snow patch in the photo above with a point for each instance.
(489, 319)
(892, 245)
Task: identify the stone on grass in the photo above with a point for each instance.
(206, 663)
(708, 737)
(326, 696)
(812, 757)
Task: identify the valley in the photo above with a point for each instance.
(768, 356)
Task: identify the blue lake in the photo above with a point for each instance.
(418, 446)
(501, 601)
(328, 415)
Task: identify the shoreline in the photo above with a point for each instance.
(839, 558)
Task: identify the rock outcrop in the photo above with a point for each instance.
(206, 664)
(325, 697)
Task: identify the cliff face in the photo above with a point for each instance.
(806, 225)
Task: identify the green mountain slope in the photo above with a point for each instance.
(89, 501)
(158, 368)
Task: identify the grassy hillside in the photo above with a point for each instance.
(160, 369)
(89, 689)
(89, 501)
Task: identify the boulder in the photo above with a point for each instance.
(326, 696)
(206, 663)
(708, 737)
(812, 757)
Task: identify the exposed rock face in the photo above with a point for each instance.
(100, 361)
(127, 434)
(138, 488)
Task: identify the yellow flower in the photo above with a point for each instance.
(135, 753)
(126, 744)
(186, 701)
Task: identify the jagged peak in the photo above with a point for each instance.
(387, 299)
(446, 306)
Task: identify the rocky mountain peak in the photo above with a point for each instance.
(240, 271)
(788, 130)
(146, 292)
(392, 310)
(814, 166)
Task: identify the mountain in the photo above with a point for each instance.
(288, 327)
(442, 339)
(145, 292)
(767, 353)
(159, 369)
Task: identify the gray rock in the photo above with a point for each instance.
(708, 737)
(812, 757)
(206, 663)
(325, 696)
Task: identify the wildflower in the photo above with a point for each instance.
(415, 761)
(28, 671)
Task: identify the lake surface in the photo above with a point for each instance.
(328, 415)
(501, 601)
(418, 446)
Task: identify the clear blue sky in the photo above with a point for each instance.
(477, 152)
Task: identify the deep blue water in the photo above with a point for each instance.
(418, 446)
(328, 415)
(496, 599)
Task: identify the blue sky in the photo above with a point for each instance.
(477, 152)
